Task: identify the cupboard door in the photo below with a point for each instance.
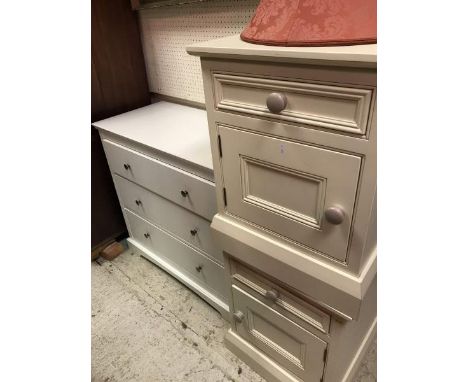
(285, 342)
(301, 192)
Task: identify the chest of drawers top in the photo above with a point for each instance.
(174, 133)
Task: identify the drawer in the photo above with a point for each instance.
(291, 346)
(198, 267)
(338, 108)
(304, 193)
(279, 299)
(188, 226)
(183, 188)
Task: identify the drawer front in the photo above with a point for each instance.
(315, 105)
(295, 190)
(187, 190)
(188, 226)
(282, 340)
(279, 299)
(201, 269)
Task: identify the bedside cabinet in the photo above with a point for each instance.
(293, 139)
(160, 161)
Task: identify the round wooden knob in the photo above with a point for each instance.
(334, 215)
(238, 316)
(276, 102)
(272, 294)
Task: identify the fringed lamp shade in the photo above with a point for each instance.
(313, 23)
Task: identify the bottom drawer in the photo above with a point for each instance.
(291, 346)
(201, 269)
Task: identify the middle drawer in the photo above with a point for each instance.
(186, 225)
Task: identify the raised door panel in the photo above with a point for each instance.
(286, 187)
(291, 346)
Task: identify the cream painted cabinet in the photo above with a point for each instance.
(289, 187)
(293, 138)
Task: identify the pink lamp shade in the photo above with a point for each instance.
(313, 23)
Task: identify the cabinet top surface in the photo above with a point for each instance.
(234, 47)
(177, 130)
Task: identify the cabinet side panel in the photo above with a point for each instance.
(349, 340)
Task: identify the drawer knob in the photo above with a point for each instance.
(238, 316)
(193, 232)
(276, 102)
(147, 235)
(272, 294)
(184, 193)
(199, 268)
(126, 166)
(335, 215)
(138, 202)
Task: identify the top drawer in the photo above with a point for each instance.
(277, 298)
(187, 190)
(331, 107)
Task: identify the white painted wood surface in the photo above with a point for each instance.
(185, 278)
(160, 156)
(162, 178)
(175, 130)
(233, 47)
(169, 216)
(200, 268)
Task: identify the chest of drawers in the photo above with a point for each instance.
(160, 161)
(293, 138)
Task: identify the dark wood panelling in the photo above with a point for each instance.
(118, 84)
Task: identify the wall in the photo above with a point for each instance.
(166, 31)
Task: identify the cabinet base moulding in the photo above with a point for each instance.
(162, 263)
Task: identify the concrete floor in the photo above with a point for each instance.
(146, 326)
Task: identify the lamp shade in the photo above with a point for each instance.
(313, 23)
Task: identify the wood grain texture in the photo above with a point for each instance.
(118, 84)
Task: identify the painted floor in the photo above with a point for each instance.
(148, 327)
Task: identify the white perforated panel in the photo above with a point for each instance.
(168, 30)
